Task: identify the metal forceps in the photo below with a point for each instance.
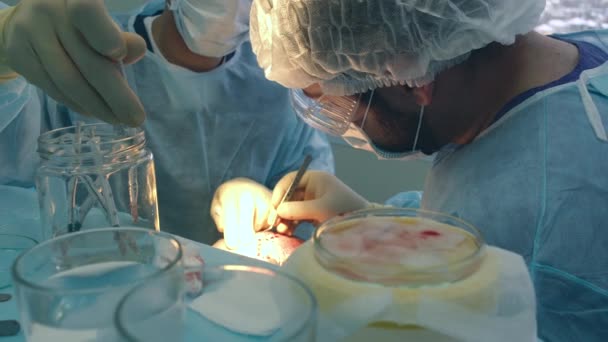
(99, 190)
(292, 188)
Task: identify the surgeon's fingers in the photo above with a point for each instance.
(92, 19)
(238, 217)
(38, 76)
(287, 227)
(102, 34)
(105, 77)
(313, 210)
(282, 186)
(215, 210)
(97, 37)
(136, 47)
(229, 223)
(64, 73)
(299, 194)
(53, 91)
(222, 194)
(283, 228)
(262, 211)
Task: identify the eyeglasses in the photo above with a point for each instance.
(330, 114)
(336, 115)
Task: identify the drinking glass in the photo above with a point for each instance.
(10, 247)
(238, 303)
(68, 288)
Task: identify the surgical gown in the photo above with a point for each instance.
(536, 183)
(203, 129)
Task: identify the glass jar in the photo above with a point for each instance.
(95, 175)
(238, 304)
(376, 272)
(68, 288)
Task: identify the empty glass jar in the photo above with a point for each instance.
(95, 175)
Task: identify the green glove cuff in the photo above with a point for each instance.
(6, 73)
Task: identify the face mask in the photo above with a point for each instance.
(212, 28)
(357, 138)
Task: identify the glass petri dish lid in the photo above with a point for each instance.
(399, 247)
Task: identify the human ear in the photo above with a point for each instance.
(424, 94)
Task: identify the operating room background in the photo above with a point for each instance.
(374, 179)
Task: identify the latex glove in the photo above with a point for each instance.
(239, 208)
(319, 196)
(212, 28)
(69, 48)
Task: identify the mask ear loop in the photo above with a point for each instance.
(420, 116)
(369, 104)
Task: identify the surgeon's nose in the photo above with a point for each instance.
(313, 91)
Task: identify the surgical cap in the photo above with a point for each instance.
(351, 46)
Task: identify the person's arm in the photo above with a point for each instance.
(20, 126)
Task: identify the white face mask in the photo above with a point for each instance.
(357, 138)
(212, 28)
(125, 7)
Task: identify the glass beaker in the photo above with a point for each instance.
(11, 246)
(238, 303)
(68, 288)
(95, 175)
(373, 269)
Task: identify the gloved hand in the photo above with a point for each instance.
(70, 49)
(319, 196)
(212, 28)
(239, 208)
